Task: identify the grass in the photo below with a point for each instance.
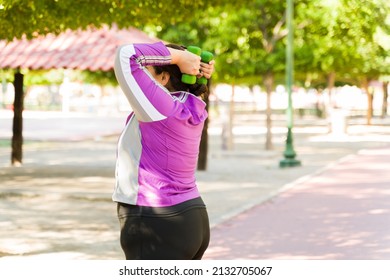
(5, 143)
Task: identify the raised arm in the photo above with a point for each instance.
(149, 100)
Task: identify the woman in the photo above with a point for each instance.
(161, 213)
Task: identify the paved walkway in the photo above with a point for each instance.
(342, 212)
(58, 204)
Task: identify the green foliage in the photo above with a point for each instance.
(56, 76)
(339, 36)
(33, 17)
(246, 38)
(97, 77)
(6, 76)
(349, 37)
(254, 45)
(43, 77)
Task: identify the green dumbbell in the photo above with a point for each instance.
(205, 57)
(186, 78)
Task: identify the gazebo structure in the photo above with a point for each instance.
(91, 49)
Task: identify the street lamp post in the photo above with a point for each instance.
(289, 153)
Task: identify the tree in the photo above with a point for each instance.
(334, 40)
(339, 44)
(371, 16)
(31, 18)
(248, 42)
(192, 32)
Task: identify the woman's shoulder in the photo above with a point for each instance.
(190, 107)
(188, 98)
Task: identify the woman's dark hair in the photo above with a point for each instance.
(175, 83)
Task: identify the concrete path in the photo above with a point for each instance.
(342, 212)
(58, 204)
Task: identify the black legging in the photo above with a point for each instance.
(178, 232)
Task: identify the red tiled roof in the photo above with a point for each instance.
(92, 49)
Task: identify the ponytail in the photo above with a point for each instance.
(199, 90)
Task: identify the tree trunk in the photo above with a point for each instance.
(331, 82)
(385, 97)
(230, 142)
(227, 118)
(331, 104)
(17, 126)
(268, 83)
(203, 147)
(320, 104)
(370, 96)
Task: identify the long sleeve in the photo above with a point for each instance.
(159, 147)
(148, 99)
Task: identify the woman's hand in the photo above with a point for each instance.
(190, 63)
(187, 62)
(206, 69)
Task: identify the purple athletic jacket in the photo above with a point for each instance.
(158, 149)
